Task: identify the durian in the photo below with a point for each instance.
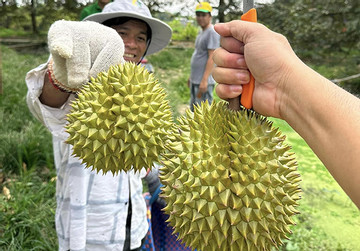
(120, 120)
(230, 182)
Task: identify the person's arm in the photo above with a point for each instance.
(52, 96)
(153, 181)
(75, 57)
(326, 116)
(208, 69)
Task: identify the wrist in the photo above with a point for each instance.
(56, 83)
(50, 95)
(204, 83)
(299, 94)
(289, 89)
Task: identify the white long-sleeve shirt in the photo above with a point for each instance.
(91, 208)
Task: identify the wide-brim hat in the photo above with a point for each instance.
(160, 31)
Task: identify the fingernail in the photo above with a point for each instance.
(241, 76)
(236, 88)
(240, 61)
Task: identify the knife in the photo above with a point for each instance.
(248, 89)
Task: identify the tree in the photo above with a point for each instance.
(324, 26)
(226, 9)
(33, 17)
(7, 10)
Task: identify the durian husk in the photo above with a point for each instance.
(230, 182)
(120, 120)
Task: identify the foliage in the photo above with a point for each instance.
(18, 17)
(321, 26)
(23, 141)
(322, 200)
(183, 31)
(156, 6)
(26, 163)
(172, 58)
(49, 13)
(27, 215)
(172, 68)
(325, 34)
(8, 13)
(225, 10)
(321, 32)
(4, 32)
(340, 67)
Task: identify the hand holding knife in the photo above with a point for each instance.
(248, 89)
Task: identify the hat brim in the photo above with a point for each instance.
(160, 31)
(200, 10)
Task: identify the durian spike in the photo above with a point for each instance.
(122, 115)
(234, 172)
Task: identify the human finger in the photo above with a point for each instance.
(223, 58)
(226, 92)
(231, 44)
(233, 76)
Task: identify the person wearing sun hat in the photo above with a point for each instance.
(160, 32)
(201, 82)
(95, 211)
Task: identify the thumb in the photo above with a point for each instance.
(60, 39)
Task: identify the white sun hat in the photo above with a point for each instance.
(160, 31)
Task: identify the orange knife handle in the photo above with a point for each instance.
(248, 89)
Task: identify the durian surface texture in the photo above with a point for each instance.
(120, 120)
(230, 182)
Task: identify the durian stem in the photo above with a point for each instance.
(234, 104)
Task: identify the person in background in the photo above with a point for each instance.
(201, 82)
(93, 8)
(95, 211)
(147, 65)
(325, 115)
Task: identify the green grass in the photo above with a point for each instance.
(172, 69)
(22, 138)
(328, 219)
(27, 218)
(26, 163)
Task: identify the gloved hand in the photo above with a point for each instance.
(153, 181)
(81, 50)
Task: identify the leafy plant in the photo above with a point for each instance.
(323, 27)
(322, 201)
(172, 69)
(28, 147)
(24, 141)
(27, 213)
(184, 31)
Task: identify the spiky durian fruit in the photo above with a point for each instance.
(120, 120)
(229, 181)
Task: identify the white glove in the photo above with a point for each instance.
(81, 50)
